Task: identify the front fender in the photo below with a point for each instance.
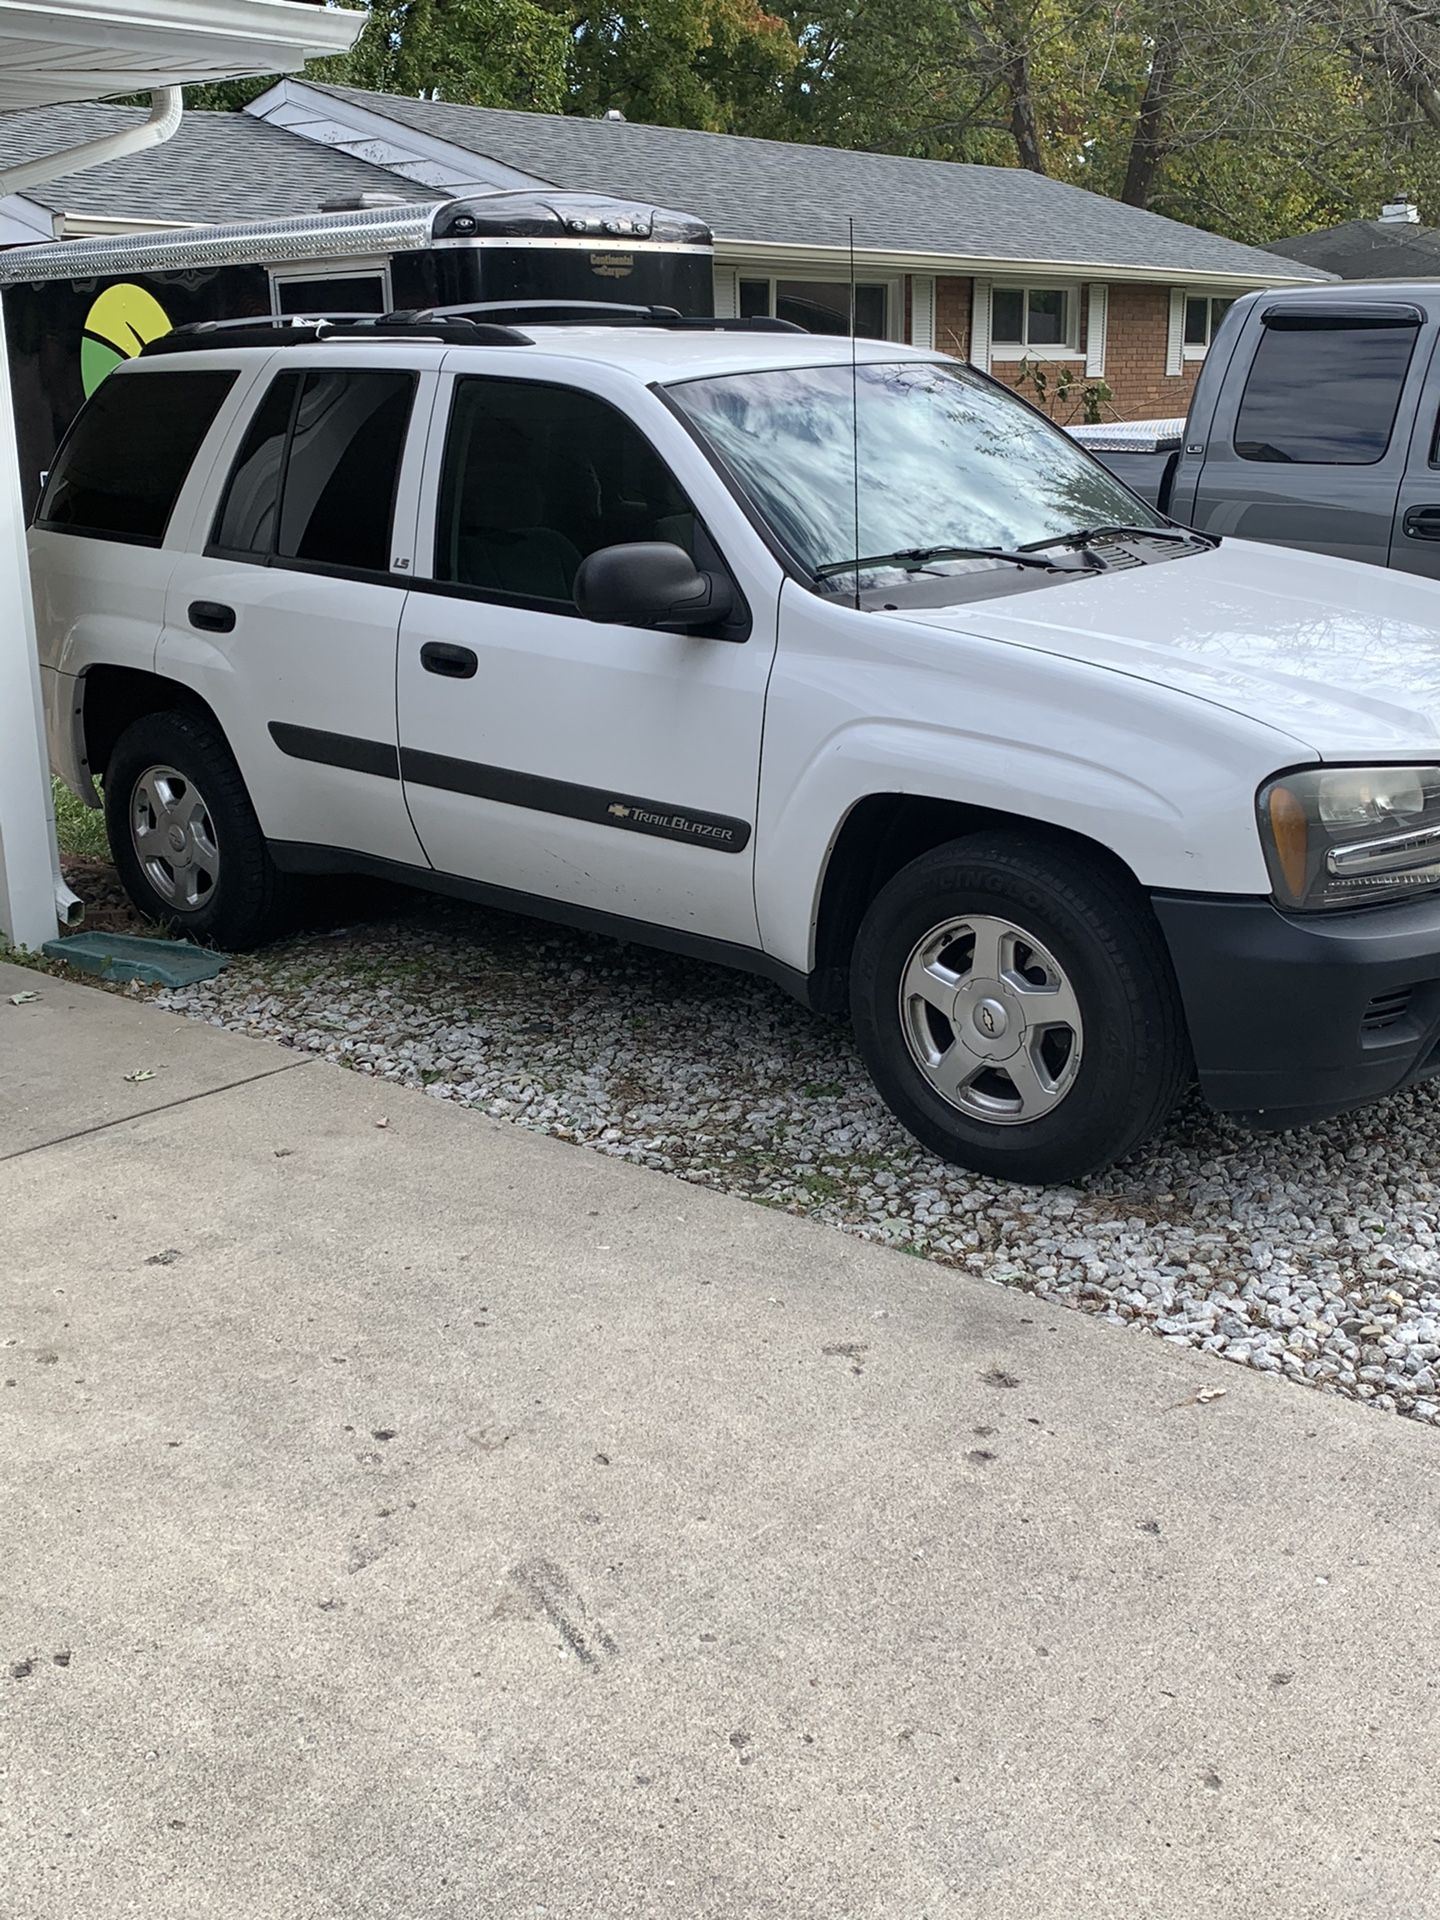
(1162, 781)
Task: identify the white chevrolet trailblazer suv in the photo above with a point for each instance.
(841, 665)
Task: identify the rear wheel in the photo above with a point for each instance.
(184, 834)
(1015, 1006)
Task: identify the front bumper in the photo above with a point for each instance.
(1295, 1016)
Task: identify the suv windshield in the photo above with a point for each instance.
(945, 459)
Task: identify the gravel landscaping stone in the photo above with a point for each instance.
(1314, 1255)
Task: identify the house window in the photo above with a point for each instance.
(1040, 320)
(820, 306)
(1203, 315)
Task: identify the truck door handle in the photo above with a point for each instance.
(211, 616)
(1423, 523)
(456, 663)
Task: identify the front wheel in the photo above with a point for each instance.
(1015, 1006)
(184, 834)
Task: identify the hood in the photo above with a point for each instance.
(1343, 657)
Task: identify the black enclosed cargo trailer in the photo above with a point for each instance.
(75, 309)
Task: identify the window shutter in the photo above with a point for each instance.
(727, 293)
(1175, 336)
(922, 311)
(980, 324)
(1096, 319)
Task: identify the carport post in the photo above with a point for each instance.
(29, 862)
(53, 52)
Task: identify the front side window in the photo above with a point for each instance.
(314, 482)
(944, 458)
(1203, 315)
(536, 477)
(123, 463)
(1030, 317)
(1323, 394)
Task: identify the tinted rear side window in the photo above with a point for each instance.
(314, 482)
(1323, 396)
(120, 470)
(341, 471)
(246, 522)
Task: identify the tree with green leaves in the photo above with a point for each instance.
(685, 63)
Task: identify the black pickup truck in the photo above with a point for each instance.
(1314, 424)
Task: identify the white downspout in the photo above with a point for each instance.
(33, 893)
(166, 107)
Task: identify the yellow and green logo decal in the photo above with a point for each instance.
(118, 325)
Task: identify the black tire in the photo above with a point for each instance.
(1135, 1060)
(248, 901)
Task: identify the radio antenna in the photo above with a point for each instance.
(854, 408)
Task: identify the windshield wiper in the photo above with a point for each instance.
(1082, 536)
(915, 559)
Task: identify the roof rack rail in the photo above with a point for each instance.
(310, 329)
(600, 313)
(449, 326)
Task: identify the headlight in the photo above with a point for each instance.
(1347, 836)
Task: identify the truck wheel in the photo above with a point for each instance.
(1015, 1006)
(184, 834)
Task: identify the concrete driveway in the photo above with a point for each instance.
(407, 1516)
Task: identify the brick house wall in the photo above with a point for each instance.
(952, 316)
(1135, 339)
(1135, 356)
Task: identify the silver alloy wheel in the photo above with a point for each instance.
(991, 1020)
(174, 838)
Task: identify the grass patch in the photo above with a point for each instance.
(80, 831)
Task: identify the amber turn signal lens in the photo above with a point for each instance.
(1291, 834)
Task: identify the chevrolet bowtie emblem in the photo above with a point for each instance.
(620, 813)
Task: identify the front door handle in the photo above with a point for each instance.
(212, 616)
(456, 663)
(1423, 523)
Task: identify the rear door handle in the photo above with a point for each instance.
(212, 616)
(1423, 523)
(456, 663)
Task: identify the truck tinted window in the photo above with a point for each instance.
(537, 477)
(314, 481)
(120, 470)
(1323, 395)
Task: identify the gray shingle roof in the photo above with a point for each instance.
(1368, 250)
(767, 190)
(217, 167)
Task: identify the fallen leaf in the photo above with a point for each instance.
(141, 1073)
(23, 999)
(1201, 1398)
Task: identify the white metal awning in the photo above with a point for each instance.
(57, 50)
(51, 52)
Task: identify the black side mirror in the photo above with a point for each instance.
(651, 583)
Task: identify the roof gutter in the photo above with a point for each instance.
(166, 107)
(731, 250)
